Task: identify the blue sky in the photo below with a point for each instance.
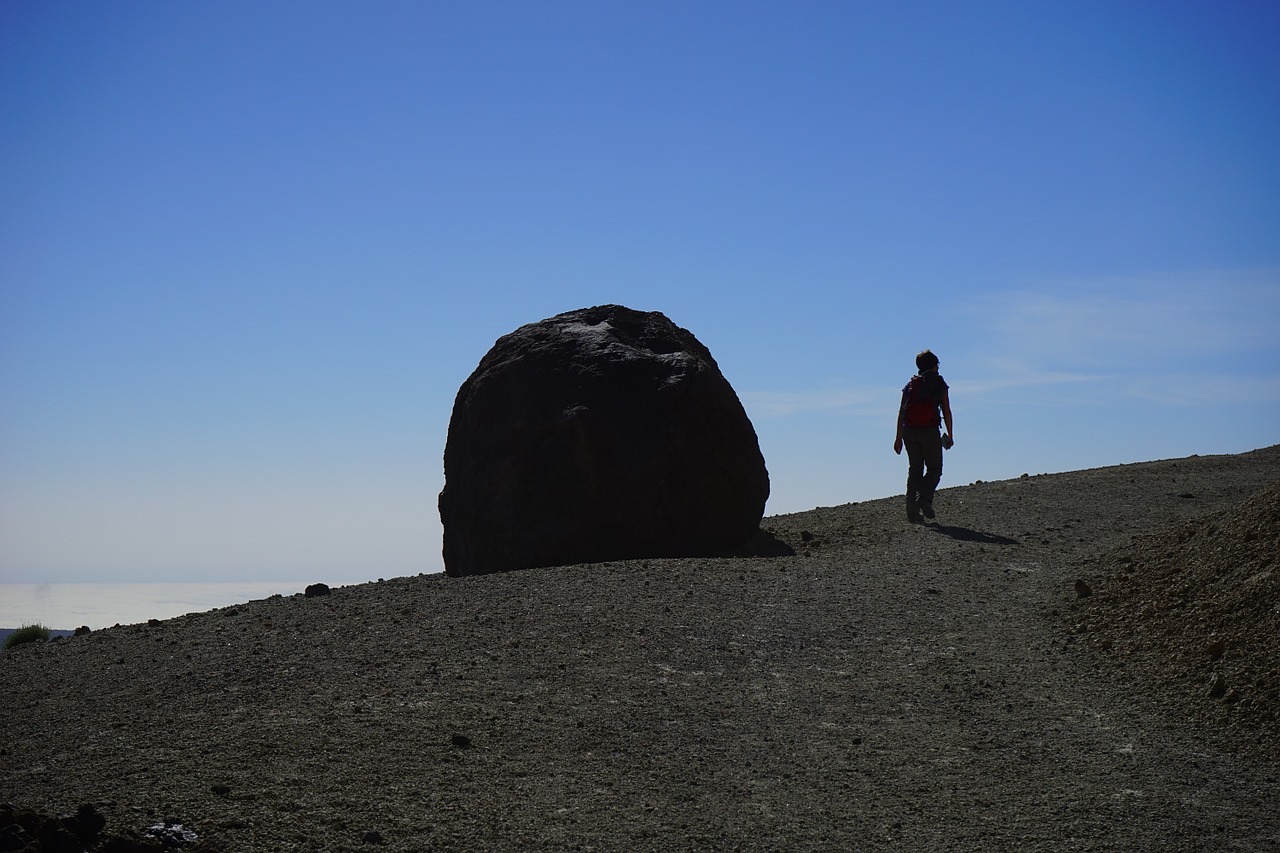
(249, 251)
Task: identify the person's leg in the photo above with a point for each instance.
(931, 454)
(915, 475)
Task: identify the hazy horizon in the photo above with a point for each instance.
(67, 606)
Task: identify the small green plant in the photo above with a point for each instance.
(27, 634)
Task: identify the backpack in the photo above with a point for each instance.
(920, 403)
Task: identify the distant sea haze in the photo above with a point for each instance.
(67, 606)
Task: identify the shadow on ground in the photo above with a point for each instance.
(761, 544)
(964, 534)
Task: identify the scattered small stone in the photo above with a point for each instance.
(316, 589)
(153, 623)
(82, 630)
(373, 837)
(172, 834)
(222, 790)
(1217, 686)
(1217, 648)
(462, 741)
(806, 536)
(1083, 590)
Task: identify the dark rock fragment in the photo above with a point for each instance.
(87, 823)
(23, 829)
(53, 837)
(316, 589)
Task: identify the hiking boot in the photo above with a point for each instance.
(927, 510)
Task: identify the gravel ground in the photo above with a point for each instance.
(1196, 610)
(889, 687)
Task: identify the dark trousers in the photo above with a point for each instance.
(924, 464)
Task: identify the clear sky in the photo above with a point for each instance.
(249, 251)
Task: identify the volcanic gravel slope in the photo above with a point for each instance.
(930, 687)
(1197, 607)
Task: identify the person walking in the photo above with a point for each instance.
(925, 406)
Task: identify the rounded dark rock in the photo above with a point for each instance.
(597, 435)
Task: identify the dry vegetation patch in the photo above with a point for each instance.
(1197, 608)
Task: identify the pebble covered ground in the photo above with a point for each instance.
(891, 686)
(1196, 608)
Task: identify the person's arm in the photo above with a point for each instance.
(897, 439)
(946, 415)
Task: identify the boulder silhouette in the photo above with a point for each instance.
(599, 434)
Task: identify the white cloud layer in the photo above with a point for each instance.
(1120, 323)
(1175, 339)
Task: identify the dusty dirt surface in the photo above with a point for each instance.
(891, 686)
(1197, 608)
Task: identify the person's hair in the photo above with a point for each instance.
(926, 361)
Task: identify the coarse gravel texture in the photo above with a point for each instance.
(1197, 607)
(892, 686)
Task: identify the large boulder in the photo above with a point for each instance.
(600, 434)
